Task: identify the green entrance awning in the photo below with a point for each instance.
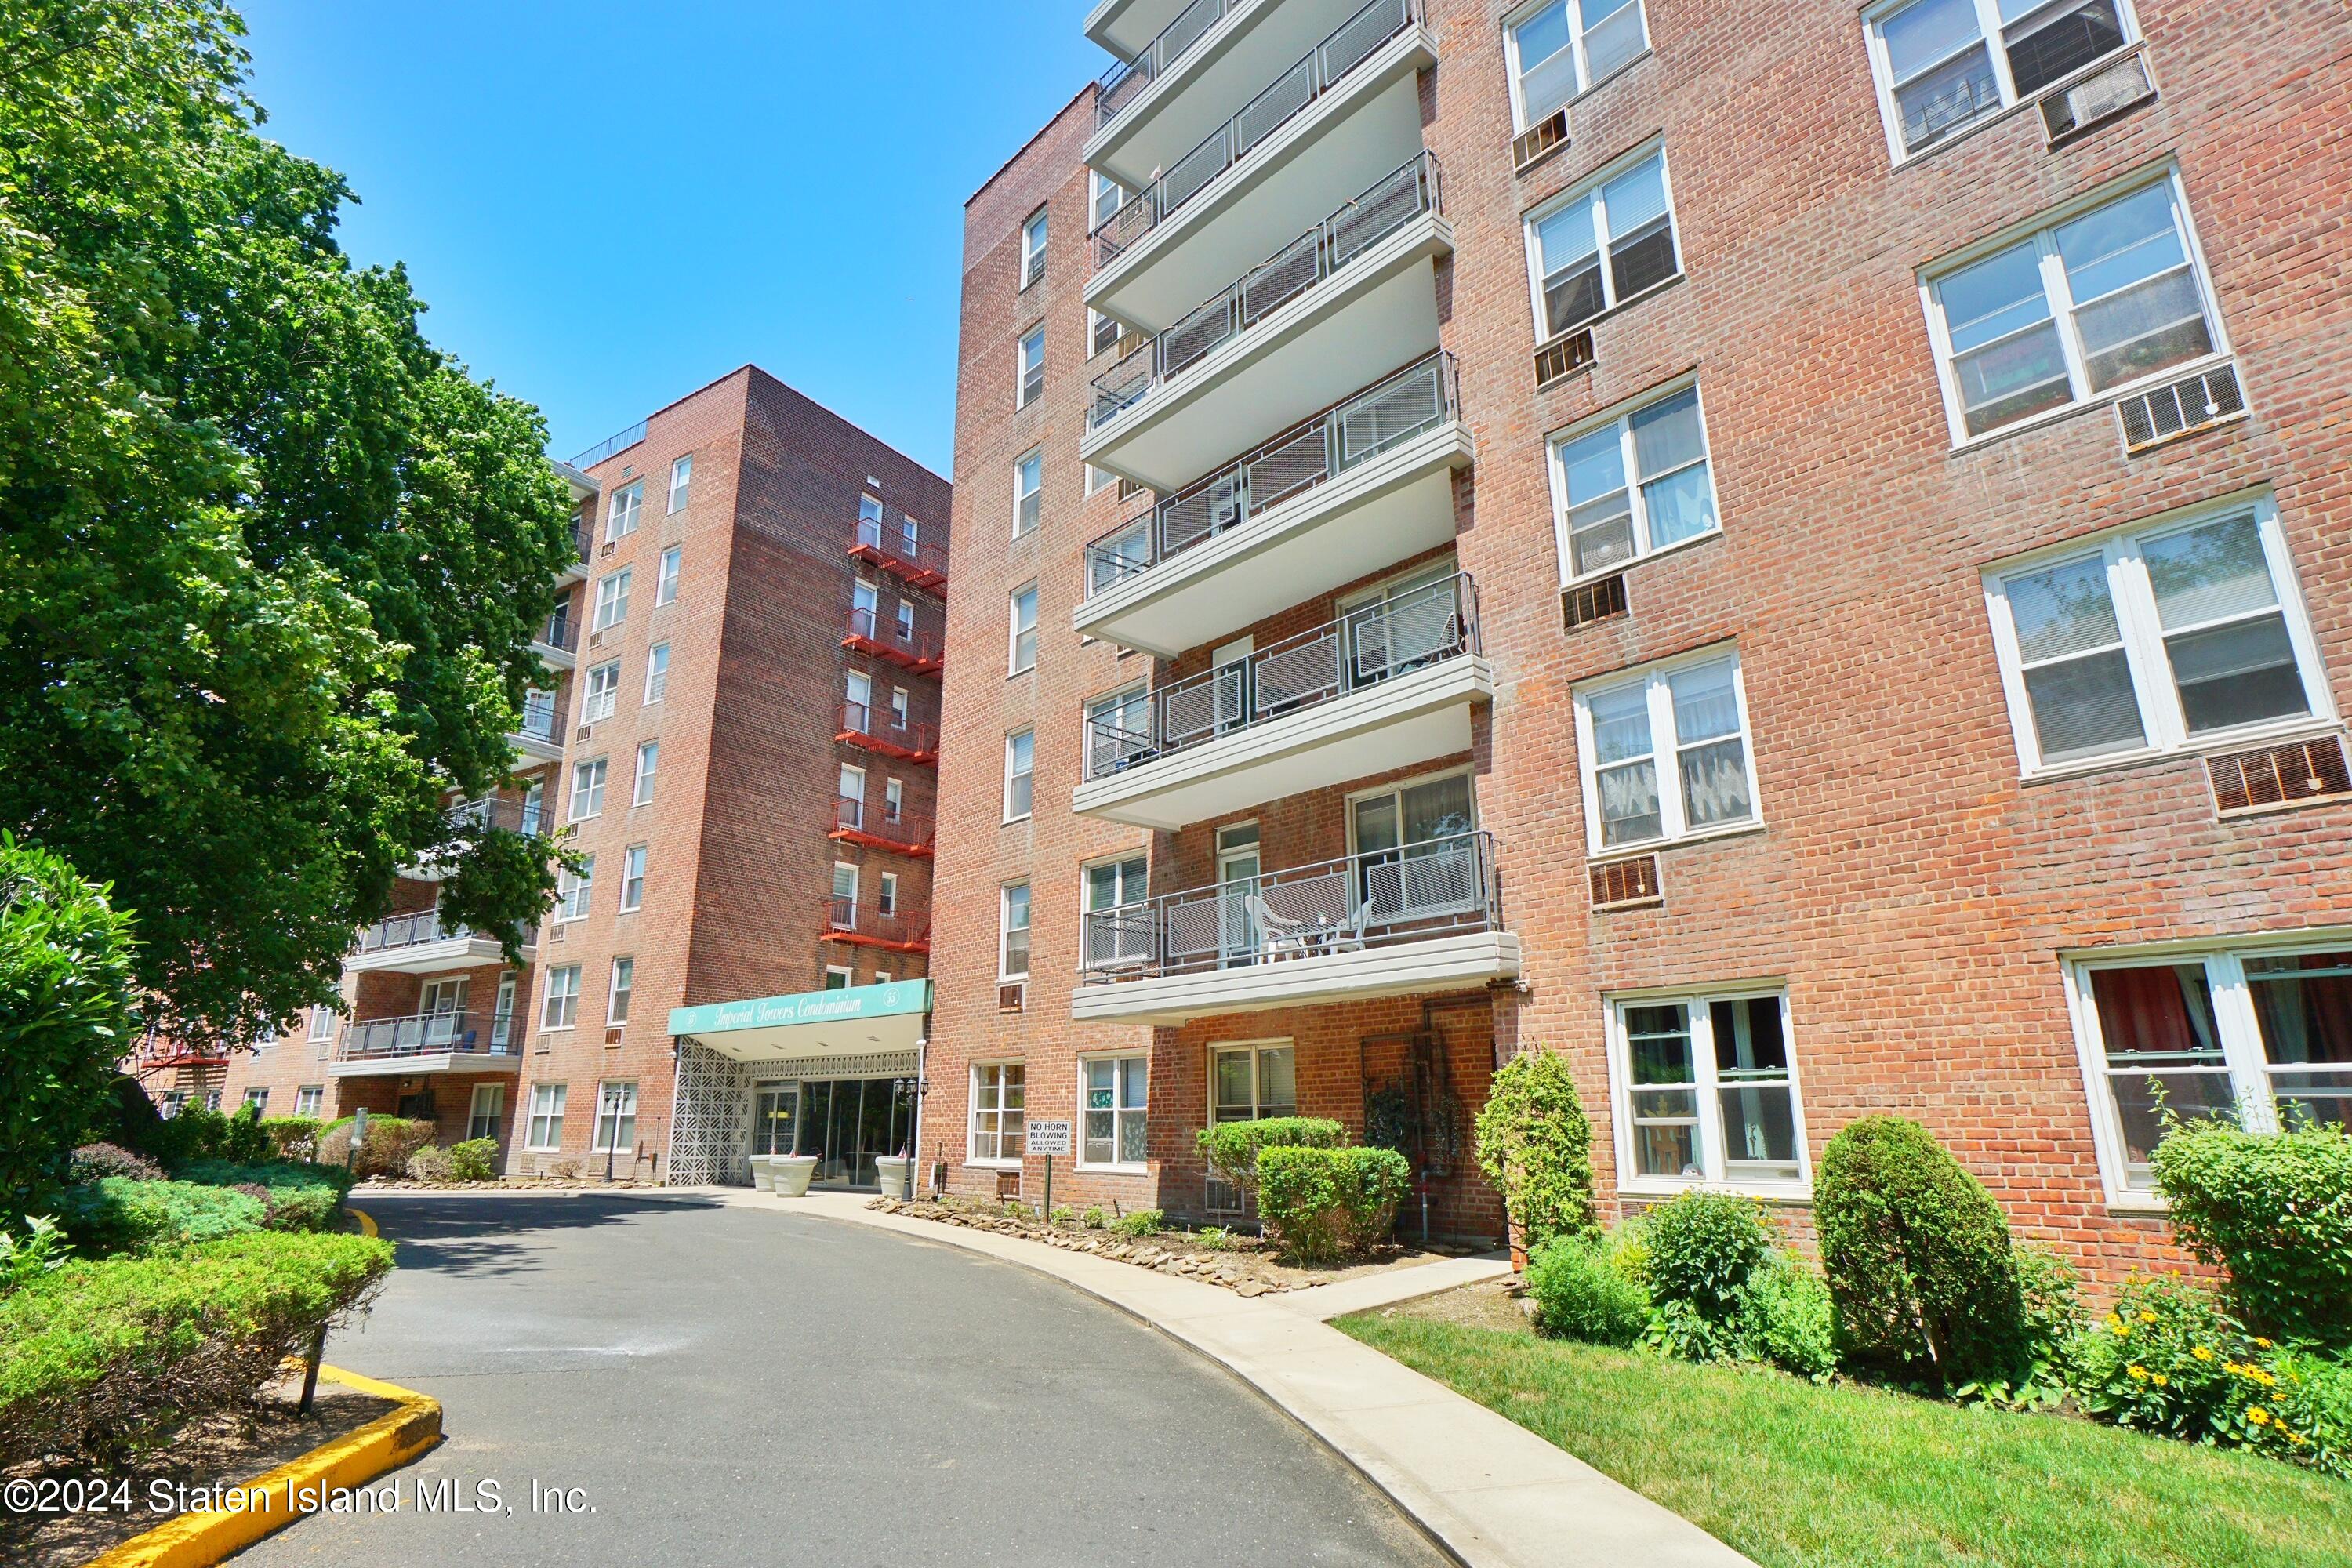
(859, 1020)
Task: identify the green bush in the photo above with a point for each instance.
(1702, 1248)
(1580, 1293)
(1535, 1146)
(430, 1163)
(390, 1143)
(294, 1196)
(1783, 1316)
(1232, 1148)
(93, 1161)
(39, 1252)
(1918, 1259)
(102, 1360)
(2273, 1210)
(1324, 1203)
(1216, 1238)
(1096, 1219)
(116, 1215)
(66, 1019)
(292, 1137)
(1141, 1223)
(474, 1160)
(244, 1141)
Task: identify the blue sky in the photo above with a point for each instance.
(608, 204)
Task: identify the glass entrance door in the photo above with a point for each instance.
(853, 1124)
(775, 1118)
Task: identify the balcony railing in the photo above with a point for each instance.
(1124, 82)
(877, 826)
(428, 1035)
(1392, 202)
(611, 446)
(923, 563)
(1352, 43)
(408, 930)
(1440, 887)
(505, 815)
(579, 543)
(848, 921)
(891, 640)
(1406, 404)
(564, 635)
(1364, 648)
(538, 716)
(861, 725)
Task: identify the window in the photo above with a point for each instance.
(1012, 931)
(612, 600)
(1020, 773)
(1683, 722)
(633, 878)
(2260, 1032)
(502, 1014)
(1634, 485)
(657, 673)
(850, 798)
(1562, 47)
(487, 1109)
(845, 893)
(1705, 1093)
(837, 978)
(1028, 488)
(1032, 248)
(906, 621)
(310, 1100)
(546, 1130)
(1113, 885)
(1108, 198)
(2168, 637)
(666, 576)
(560, 1009)
(587, 790)
(258, 1098)
(997, 1115)
(1113, 1110)
(1102, 334)
(603, 693)
(323, 1022)
(881, 977)
(1025, 628)
(538, 714)
(894, 800)
(620, 515)
(1098, 480)
(648, 766)
(886, 902)
(2072, 311)
(1946, 65)
(857, 702)
(1250, 1083)
(681, 483)
(533, 806)
(617, 993)
(899, 709)
(1601, 244)
(1033, 369)
(616, 1118)
(575, 890)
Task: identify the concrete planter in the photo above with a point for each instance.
(790, 1173)
(763, 1175)
(898, 1178)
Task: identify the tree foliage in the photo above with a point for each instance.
(274, 560)
(1535, 1146)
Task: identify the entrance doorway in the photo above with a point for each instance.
(849, 1124)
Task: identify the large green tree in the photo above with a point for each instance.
(274, 562)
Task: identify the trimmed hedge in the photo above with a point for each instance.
(298, 1196)
(390, 1143)
(1324, 1203)
(1918, 1258)
(104, 1359)
(1232, 1148)
(1536, 1145)
(1702, 1248)
(2275, 1212)
(474, 1160)
(117, 1215)
(292, 1137)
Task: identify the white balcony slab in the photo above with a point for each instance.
(532, 750)
(1377, 311)
(1387, 510)
(1365, 124)
(1440, 964)
(1413, 718)
(554, 657)
(424, 1063)
(1125, 26)
(431, 957)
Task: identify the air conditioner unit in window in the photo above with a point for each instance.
(582, 733)
(1627, 884)
(2181, 408)
(2298, 774)
(612, 1037)
(606, 551)
(555, 933)
(1590, 602)
(595, 639)
(1540, 141)
(1013, 998)
(2096, 99)
(1563, 357)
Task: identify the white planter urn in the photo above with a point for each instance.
(764, 1175)
(792, 1173)
(897, 1177)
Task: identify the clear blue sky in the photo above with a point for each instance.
(608, 204)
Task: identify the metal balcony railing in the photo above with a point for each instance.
(562, 633)
(539, 721)
(1393, 201)
(1352, 43)
(506, 815)
(579, 543)
(1378, 898)
(895, 550)
(611, 446)
(876, 825)
(879, 729)
(847, 919)
(1124, 82)
(1415, 400)
(891, 640)
(1362, 649)
(427, 1034)
(408, 930)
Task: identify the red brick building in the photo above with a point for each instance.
(1806, 567)
(746, 684)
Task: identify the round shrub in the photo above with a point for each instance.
(116, 1215)
(1320, 1204)
(430, 1163)
(2274, 1211)
(95, 1162)
(1783, 1316)
(1918, 1255)
(292, 1137)
(1581, 1294)
(1702, 1248)
(474, 1160)
(386, 1150)
(1535, 1146)
(1231, 1148)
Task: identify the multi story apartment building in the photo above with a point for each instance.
(1802, 567)
(739, 741)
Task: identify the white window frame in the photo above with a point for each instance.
(576, 891)
(257, 1095)
(2041, 230)
(641, 792)
(603, 1140)
(1622, 417)
(902, 708)
(612, 600)
(1587, 190)
(1119, 1113)
(547, 1108)
(681, 483)
(1707, 1137)
(588, 789)
(1029, 464)
(851, 881)
(502, 1013)
(894, 799)
(848, 975)
(886, 897)
(476, 1115)
(2161, 717)
(1024, 365)
(997, 1109)
(1006, 973)
(622, 514)
(1989, 31)
(2240, 1030)
(1258, 1101)
(600, 693)
(310, 1099)
(1096, 322)
(906, 620)
(619, 987)
(633, 878)
(656, 674)
(667, 574)
(1014, 661)
(1099, 479)
(1102, 185)
(559, 1009)
(1665, 745)
(1586, 81)
(1012, 771)
(1035, 234)
(323, 1022)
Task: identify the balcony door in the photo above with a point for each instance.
(1402, 626)
(1237, 893)
(1415, 858)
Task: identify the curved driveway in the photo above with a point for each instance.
(733, 1385)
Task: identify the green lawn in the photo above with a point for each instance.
(1794, 1474)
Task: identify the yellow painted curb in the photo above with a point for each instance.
(367, 1223)
(295, 1490)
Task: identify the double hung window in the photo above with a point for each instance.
(1946, 65)
(1706, 1093)
(998, 1100)
(1666, 754)
(1637, 483)
(1113, 1111)
(1561, 47)
(1602, 244)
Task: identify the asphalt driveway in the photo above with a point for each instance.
(678, 1381)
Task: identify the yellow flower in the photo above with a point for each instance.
(2262, 1344)
(2123, 1330)
(2160, 1380)
(2139, 1373)
(2114, 1321)
(2256, 1414)
(2201, 1353)
(2298, 1439)
(2146, 1317)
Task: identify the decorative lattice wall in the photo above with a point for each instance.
(709, 1129)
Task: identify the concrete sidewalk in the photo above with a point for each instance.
(1493, 1493)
